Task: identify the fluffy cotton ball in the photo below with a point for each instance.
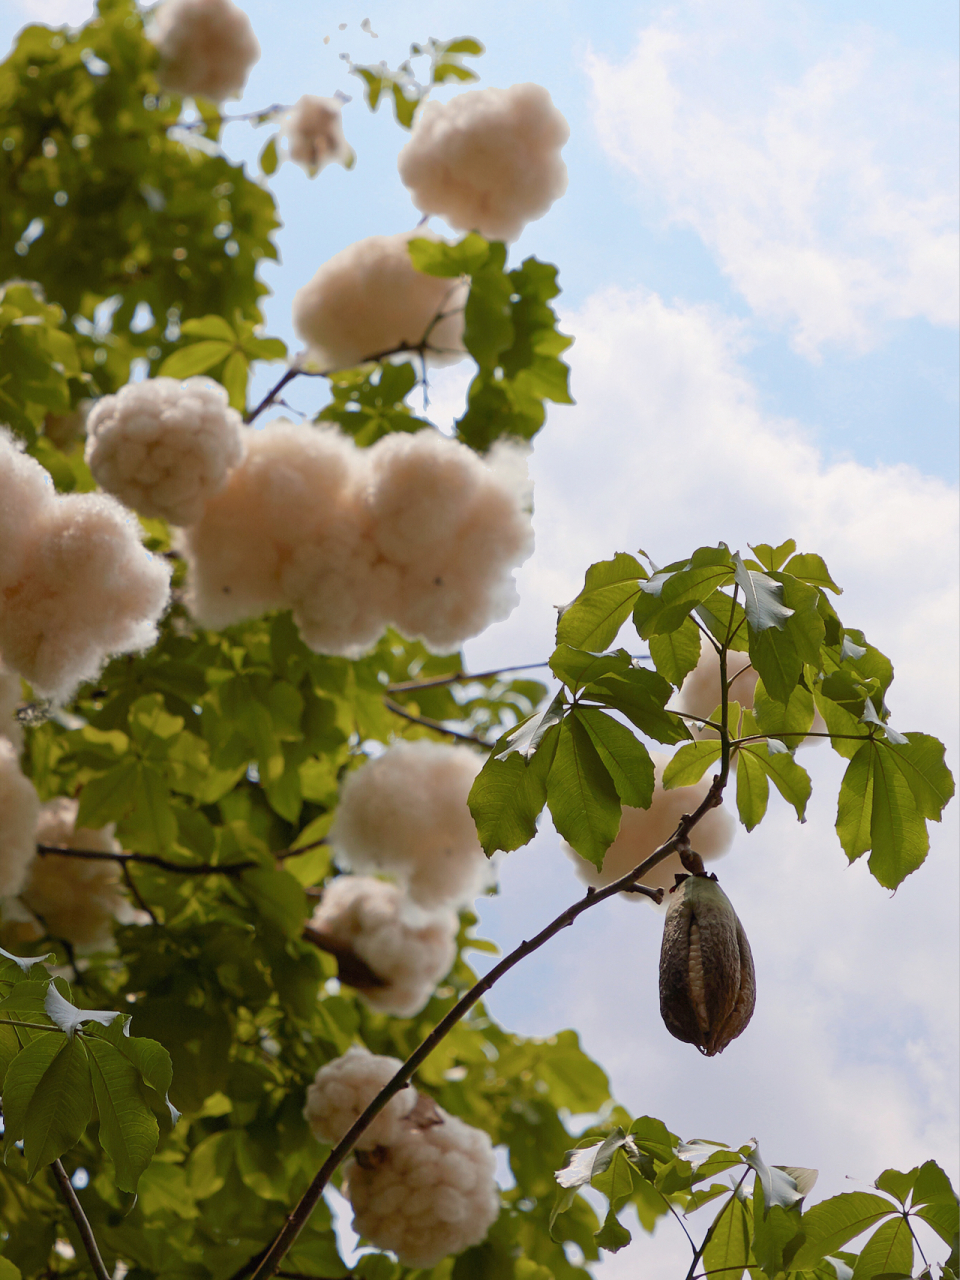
(487, 160)
(345, 1087)
(87, 588)
(429, 1195)
(642, 830)
(287, 531)
(19, 807)
(77, 899)
(26, 493)
(164, 447)
(405, 813)
(453, 525)
(10, 699)
(206, 47)
(314, 134)
(369, 298)
(371, 919)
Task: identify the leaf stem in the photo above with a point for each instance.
(80, 1218)
(298, 1216)
(466, 677)
(34, 1026)
(713, 1226)
(436, 725)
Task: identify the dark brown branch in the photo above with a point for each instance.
(351, 969)
(150, 860)
(297, 1218)
(80, 1218)
(427, 723)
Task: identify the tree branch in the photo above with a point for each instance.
(397, 710)
(411, 686)
(124, 859)
(80, 1218)
(297, 1218)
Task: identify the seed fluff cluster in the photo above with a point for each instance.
(313, 131)
(423, 1185)
(487, 160)
(206, 47)
(163, 447)
(417, 532)
(76, 583)
(642, 830)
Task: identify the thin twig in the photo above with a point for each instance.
(80, 1218)
(150, 860)
(138, 896)
(464, 677)
(298, 1217)
(713, 1226)
(427, 723)
(6, 1021)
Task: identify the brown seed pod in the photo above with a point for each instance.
(707, 983)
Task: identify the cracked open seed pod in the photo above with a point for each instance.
(707, 984)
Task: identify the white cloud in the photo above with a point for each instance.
(827, 193)
(55, 13)
(847, 1063)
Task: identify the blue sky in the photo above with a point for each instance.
(758, 255)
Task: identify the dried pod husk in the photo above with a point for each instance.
(707, 983)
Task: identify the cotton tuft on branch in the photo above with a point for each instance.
(370, 299)
(206, 47)
(453, 526)
(405, 814)
(77, 899)
(344, 1088)
(314, 134)
(76, 583)
(417, 532)
(643, 830)
(19, 807)
(163, 447)
(409, 951)
(487, 160)
(429, 1195)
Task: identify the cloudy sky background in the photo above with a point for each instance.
(759, 259)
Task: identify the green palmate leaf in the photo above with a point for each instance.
(828, 1226)
(576, 667)
(642, 697)
(48, 1099)
(688, 765)
(594, 618)
(581, 795)
(753, 791)
(762, 598)
(528, 734)
(109, 796)
(932, 1186)
(509, 793)
(153, 1063)
(920, 760)
(791, 720)
(198, 357)
(772, 558)
(878, 811)
(668, 598)
(208, 327)
(278, 897)
(725, 619)
(583, 1164)
(777, 1186)
(728, 1247)
(234, 379)
(128, 1128)
(810, 569)
(625, 758)
(897, 1184)
(850, 732)
(677, 653)
(612, 1236)
(888, 1252)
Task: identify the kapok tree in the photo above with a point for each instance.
(247, 789)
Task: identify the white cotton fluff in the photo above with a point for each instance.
(87, 588)
(76, 899)
(405, 814)
(314, 134)
(10, 699)
(163, 447)
(487, 160)
(430, 1195)
(344, 1088)
(76, 583)
(206, 47)
(409, 953)
(643, 830)
(369, 298)
(19, 807)
(453, 526)
(287, 531)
